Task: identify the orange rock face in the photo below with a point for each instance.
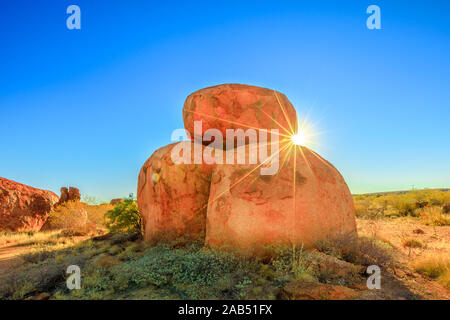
(238, 106)
(172, 198)
(307, 200)
(24, 208)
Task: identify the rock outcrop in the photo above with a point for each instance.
(69, 194)
(24, 208)
(74, 194)
(303, 201)
(64, 197)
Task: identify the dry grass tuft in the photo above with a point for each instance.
(434, 266)
(412, 243)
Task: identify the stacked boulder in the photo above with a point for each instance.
(233, 205)
(69, 194)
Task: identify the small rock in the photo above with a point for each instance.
(418, 231)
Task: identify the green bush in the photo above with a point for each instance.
(412, 203)
(124, 217)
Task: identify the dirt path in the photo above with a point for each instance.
(10, 256)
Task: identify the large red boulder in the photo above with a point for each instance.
(239, 106)
(172, 198)
(24, 208)
(305, 201)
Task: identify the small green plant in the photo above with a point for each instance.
(124, 217)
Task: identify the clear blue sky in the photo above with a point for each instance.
(87, 107)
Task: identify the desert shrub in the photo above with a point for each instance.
(362, 208)
(436, 267)
(118, 263)
(96, 213)
(188, 271)
(344, 247)
(124, 217)
(362, 251)
(411, 203)
(404, 205)
(434, 216)
(73, 216)
(446, 208)
(412, 243)
(292, 263)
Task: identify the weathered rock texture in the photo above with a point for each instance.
(23, 208)
(173, 198)
(307, 200)
(239, 106)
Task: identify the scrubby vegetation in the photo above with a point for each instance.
(116, 264)
(119, 265)
(436, 267)
(432, 206)
(124, 217)
(78, 217)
